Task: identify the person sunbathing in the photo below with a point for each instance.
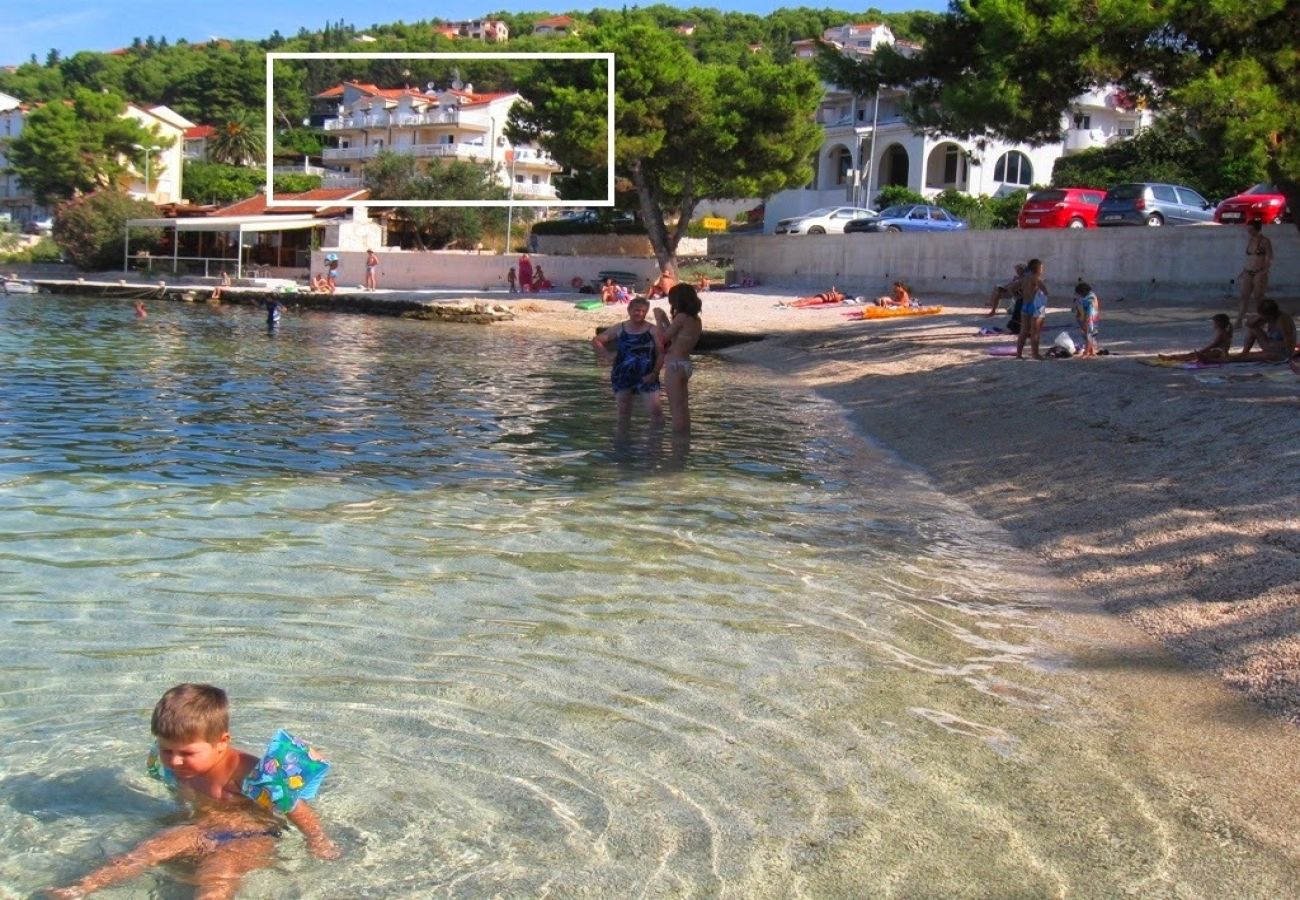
(1274, 331)
(661, 286)
(825, 298)
(1216, 351)
(898, 296)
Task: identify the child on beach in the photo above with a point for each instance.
(235, 798)
(638, 358)
(1034, 310)
(331, 273)
(1087, 310)
(511, 281)
(1216, 351)
(140, 311)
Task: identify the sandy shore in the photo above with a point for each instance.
(1167, 496)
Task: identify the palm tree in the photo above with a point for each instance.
(239, 141)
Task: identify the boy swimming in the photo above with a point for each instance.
(234, 797)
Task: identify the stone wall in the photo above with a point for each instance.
(1194, 263)
(613, 245)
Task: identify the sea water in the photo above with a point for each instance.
(769, 661)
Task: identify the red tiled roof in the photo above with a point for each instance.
(313, 200)
(554, 20)
(199, 131)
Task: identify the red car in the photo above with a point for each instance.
(1261, 202)
(1061, 208)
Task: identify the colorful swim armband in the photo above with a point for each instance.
(288, 771)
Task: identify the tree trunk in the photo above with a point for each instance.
(652, 214)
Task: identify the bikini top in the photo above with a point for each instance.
(288, 771)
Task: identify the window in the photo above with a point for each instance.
(1013, 168)
(950, 158)
(1164, 193)
(1082, 121)
(1126, 128)
(1189, 197)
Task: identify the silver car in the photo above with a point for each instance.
(1153, 204)
(827, 220)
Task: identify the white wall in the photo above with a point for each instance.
(1193, 264)
(413, 270)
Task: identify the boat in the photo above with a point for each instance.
(16, 286)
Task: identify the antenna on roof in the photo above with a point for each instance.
(430, 87)
(456, 83)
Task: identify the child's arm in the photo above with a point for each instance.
(308, 823)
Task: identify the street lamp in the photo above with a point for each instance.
(147, 151)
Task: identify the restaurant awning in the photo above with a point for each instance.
(238, 224)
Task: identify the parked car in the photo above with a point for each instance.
(908, 217)
(1148, 203)
(1061, 208)
(40, 226)
(1262, 202)
(827, 220)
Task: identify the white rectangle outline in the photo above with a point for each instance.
(270, 129)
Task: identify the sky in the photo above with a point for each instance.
(36, 26)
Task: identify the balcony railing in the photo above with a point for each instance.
(458, 151)
(384, 120)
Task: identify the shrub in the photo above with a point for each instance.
(296, 184)
(89, 229)
(893, 194)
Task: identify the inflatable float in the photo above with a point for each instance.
(893, 312)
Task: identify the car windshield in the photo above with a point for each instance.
(1047, 196)
(895, 212)
(1262, 189)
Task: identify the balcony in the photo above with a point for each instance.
(449, 116)
(534, 192)
(341, 180)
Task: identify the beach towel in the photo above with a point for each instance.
(894, 312)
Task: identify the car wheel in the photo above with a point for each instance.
(1076, 222)
(893, 229)
(1155, 220)
(816, 229)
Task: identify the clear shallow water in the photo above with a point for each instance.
(769, 664)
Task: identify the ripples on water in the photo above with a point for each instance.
(772, 663)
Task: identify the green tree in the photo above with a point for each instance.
(687, 130)
(90, 229)
(70, 149)
(240, 140)
(1012, 67)
(209, 182)
(396, 176)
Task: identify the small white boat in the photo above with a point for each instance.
(15, 286)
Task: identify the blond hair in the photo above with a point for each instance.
(191, 712)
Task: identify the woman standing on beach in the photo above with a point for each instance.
(525, 273)
(1254, 276)
(1034, 292)
(681, 334)
(638, 358)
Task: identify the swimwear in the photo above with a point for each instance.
(288, 771)
(633, 360)
(225, 837)
(683, 366)
(1037, 308)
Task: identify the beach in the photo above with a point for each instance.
(1166, 496)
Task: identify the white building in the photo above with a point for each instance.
(868, 145)
(492, 31)
(16, 202)
(452, 124)
(162, 166)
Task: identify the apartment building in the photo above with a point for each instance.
(448, 124)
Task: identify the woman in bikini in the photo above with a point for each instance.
(825, 298)
(681, 334)
(1214, 352)
(1254, 276)
(1274, 331)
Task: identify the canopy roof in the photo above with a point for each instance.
(232, 223)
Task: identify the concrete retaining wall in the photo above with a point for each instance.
(613, 245)
(1195, 264)
(412, 270)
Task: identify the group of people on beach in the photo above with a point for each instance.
(526, 278)
(327, 282)
(649, 356)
